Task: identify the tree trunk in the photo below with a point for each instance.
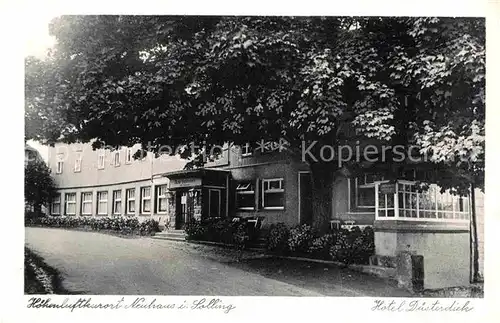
(322, 175)
(475, 246)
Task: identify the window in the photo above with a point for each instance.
(214, 200)
(78, 162)
(60, 164)
(363, 190)
(70, 199)
(245, 196)
(87, 203)
(131, 201)
(117, 202)
(161, 199)
(273, 194)
(102, 203)
(56, 205)
(145, 200)
(100, 159)
(116, 159)
(407, 201)
(128, 156)
(246, 150)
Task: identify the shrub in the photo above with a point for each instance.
(116, 224)
(353, 246)
(195, 230)
(277, 240)
(300, 238)
(320, 246)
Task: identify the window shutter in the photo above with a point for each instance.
(258, 193)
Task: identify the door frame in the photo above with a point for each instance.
(298, 182)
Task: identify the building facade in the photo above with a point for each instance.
(268, 186)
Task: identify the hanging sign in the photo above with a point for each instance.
(387, 188)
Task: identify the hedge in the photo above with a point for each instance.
(122, 225)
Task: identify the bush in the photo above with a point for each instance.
(229, 231)
(277, 240)
(120, 225)
(320, 246)
(353, 246)
(300, 238)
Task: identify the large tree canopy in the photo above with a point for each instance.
(176, 80)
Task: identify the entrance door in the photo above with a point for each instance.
(305, 198)
(181, 208)
(214, 200)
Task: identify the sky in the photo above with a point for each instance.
(37, 35)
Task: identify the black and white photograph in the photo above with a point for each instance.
(270, 155)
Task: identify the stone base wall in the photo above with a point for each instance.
(446, 254)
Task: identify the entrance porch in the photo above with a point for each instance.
(197, 194)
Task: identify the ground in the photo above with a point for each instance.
(95, 263)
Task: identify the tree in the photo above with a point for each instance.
(39, 187)
(173, 81)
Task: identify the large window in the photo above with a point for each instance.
(70, 199)
(117, 202)
(56, 205)
(273, 194)
(245, 196)
(407, 201)
(86, 203)
(145, 200)
(131, 201)
(161, 199)
(102, 203)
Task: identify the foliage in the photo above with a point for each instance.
(209, 80)
(122, 225)
(300, 238)
(230, 231)
(39, 185)
(354, 246)
(277, 239)
(320, 246)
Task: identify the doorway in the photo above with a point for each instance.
(214, 200)
(181, 208)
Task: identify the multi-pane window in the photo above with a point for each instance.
(100, 159)
(146, 199)
(102, 203)
(87, 203)
(246, 150)
(273, 193)
(70, 199)
(363, 190)
(117, 202)
(78, 162)
(407, 201)
(128, 156)
(161, 199)
(56, 205)
(245, 196)
(130, 201)
(116, 158)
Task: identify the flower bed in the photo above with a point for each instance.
(348, 246)
(121, 225)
